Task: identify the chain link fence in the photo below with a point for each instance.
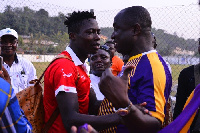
(43, 34)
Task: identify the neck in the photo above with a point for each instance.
(9, 59)
(140, 47)
(97, 73)
(82, 57)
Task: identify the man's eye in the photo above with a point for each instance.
(104, 57)
(98, 32)
(93, 58)
(90, 32)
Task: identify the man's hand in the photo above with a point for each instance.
(83, 129)
(115, 88)
(4, 74)
(142, 108)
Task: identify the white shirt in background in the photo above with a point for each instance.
(21, 73)
(95, 81)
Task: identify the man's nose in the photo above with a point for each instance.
(97, 37)
(99, 59)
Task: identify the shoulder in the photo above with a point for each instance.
(4, 84)
(60, 65)
(24, 61)
(189, 69)
(117, 60)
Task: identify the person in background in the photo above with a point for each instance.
(20, 70)
(12, 118)
(154, 43)
(99, 62)
(187, 81)
(66, 83)
(117, 63)
(146, 77)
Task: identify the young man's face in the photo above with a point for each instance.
(122, 35)
(88, 36)
(8, 45)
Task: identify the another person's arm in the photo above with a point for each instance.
(94, 104)
(32, 73)
(4, 74)
(69, 106)
(69, 109)
(83, 129)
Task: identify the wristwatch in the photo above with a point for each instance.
(124, 111)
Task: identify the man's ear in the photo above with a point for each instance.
(17, 43)
(72, 36)
(136, 29)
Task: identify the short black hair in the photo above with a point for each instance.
(74, 21)
(137, 14)
(107, 49)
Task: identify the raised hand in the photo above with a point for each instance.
(115, 88)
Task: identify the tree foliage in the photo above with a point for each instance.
(48, 34)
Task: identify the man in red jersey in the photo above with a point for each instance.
(61, 89)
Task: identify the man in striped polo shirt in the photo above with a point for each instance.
(145, 79)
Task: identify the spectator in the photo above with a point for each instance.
(12, 118)
(149, 79)
(20, 70)
(154, 43)
(117, 63)
(61, 89)
(187, 81)
(99, 62)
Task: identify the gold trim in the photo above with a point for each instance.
(9, 96)
(12, 123)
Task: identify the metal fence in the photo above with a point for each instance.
(176, 28)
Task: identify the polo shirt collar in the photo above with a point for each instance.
(15, 58)
(76, 60)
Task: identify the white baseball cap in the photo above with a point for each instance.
(8, 31)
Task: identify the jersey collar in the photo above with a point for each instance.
(76, 60)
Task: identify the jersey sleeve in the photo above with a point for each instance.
(64, 75)
(148, 85)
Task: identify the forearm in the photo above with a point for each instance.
(137, 120)
(93, 109)
(98, 122)
(94, 104)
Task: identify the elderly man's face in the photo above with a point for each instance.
(122, 35)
